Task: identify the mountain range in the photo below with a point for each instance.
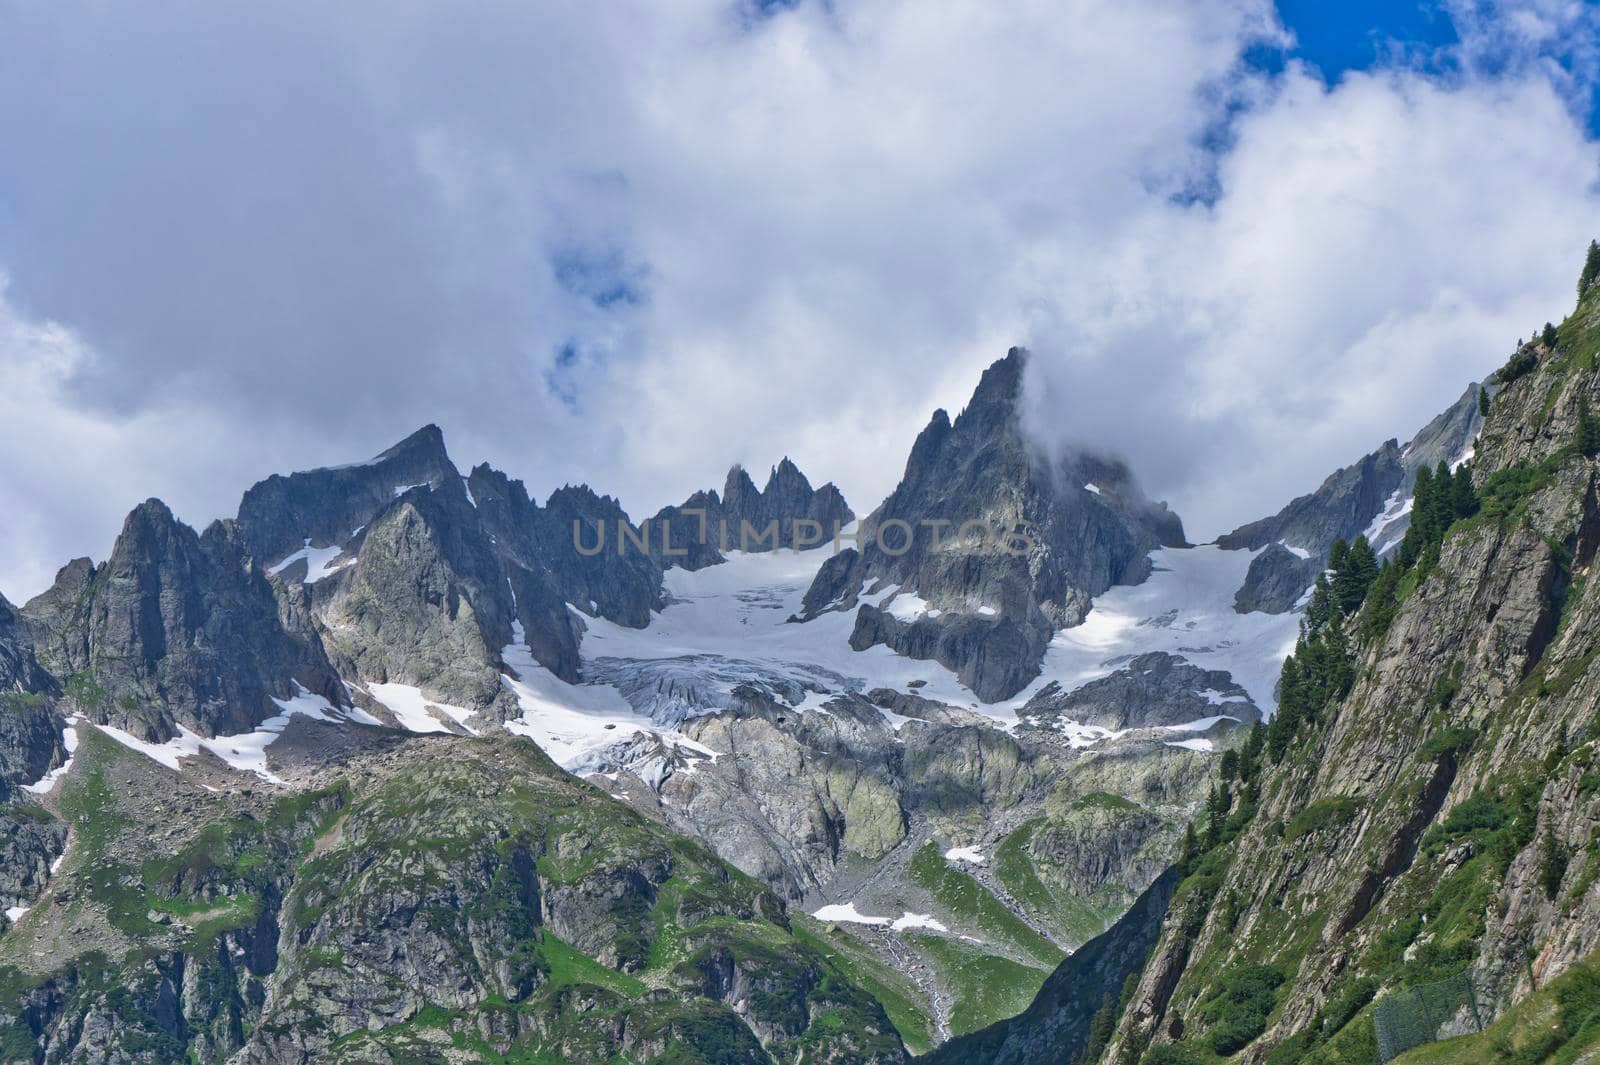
(400, 764)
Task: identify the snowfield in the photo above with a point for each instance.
(1185, 608)
(728, 625)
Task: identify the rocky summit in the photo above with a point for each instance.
(404, 765)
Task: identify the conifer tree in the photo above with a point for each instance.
(1290, 699)
(1230, 765)
(1279, 734)
(1591, 268)
(1588, 428)
(1250, 761)
(1101, 1029)
(1380, 612)
(1320, 610)
(1463, 495)
(1191, 847)
(1421, 501)
(1548, 335)
(1356, 576)
(1483, 401)
(1410, 548)
(1217, 807)
(1441, 503)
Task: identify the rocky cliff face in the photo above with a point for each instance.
(420, 573)
(1370, 498)
(175, 629)
(590, 548)
(19, 664)
(325, 507)
(1340, 508)
(1005, 544)
(30, 727)
(57, 620)
(30, 746)
(426, 602)
(1432, 828)
(1155, 689)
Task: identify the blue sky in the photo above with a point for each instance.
(632, 243)
(1357, 34)
(1362, 35)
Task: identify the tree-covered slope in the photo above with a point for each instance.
(1419, 819)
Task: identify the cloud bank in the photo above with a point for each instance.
(634, 243)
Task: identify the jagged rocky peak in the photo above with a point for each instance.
(787, 499)
(426, 602)
(176, 628)
(19, 665)
(1006, 541)
(325, 507)
(30, 734)
(58, 619)
(591, 548)
(788, 512)
(1341, 507)
(1367, 498)
(572, 550)
(739, 492)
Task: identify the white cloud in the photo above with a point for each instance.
(1375, 247)
(752, 237)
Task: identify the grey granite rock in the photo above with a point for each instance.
(58, 619)
(590, 546)
(788, 512)
(995, 656)
(1152, 690)
(427, 602)
(19, 665)
(1075, 541)
(176, 628)
(837, 584)
(1340, 508)
(1367, 497)
(618, 581)
(326, 506)
(30, 841)
(30, 740)
(1276, 580)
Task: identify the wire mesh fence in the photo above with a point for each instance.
(1415, 1015)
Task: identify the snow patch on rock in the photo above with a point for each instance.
(69, 740)
(320, 562)
(413, 709)
(245, 751)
